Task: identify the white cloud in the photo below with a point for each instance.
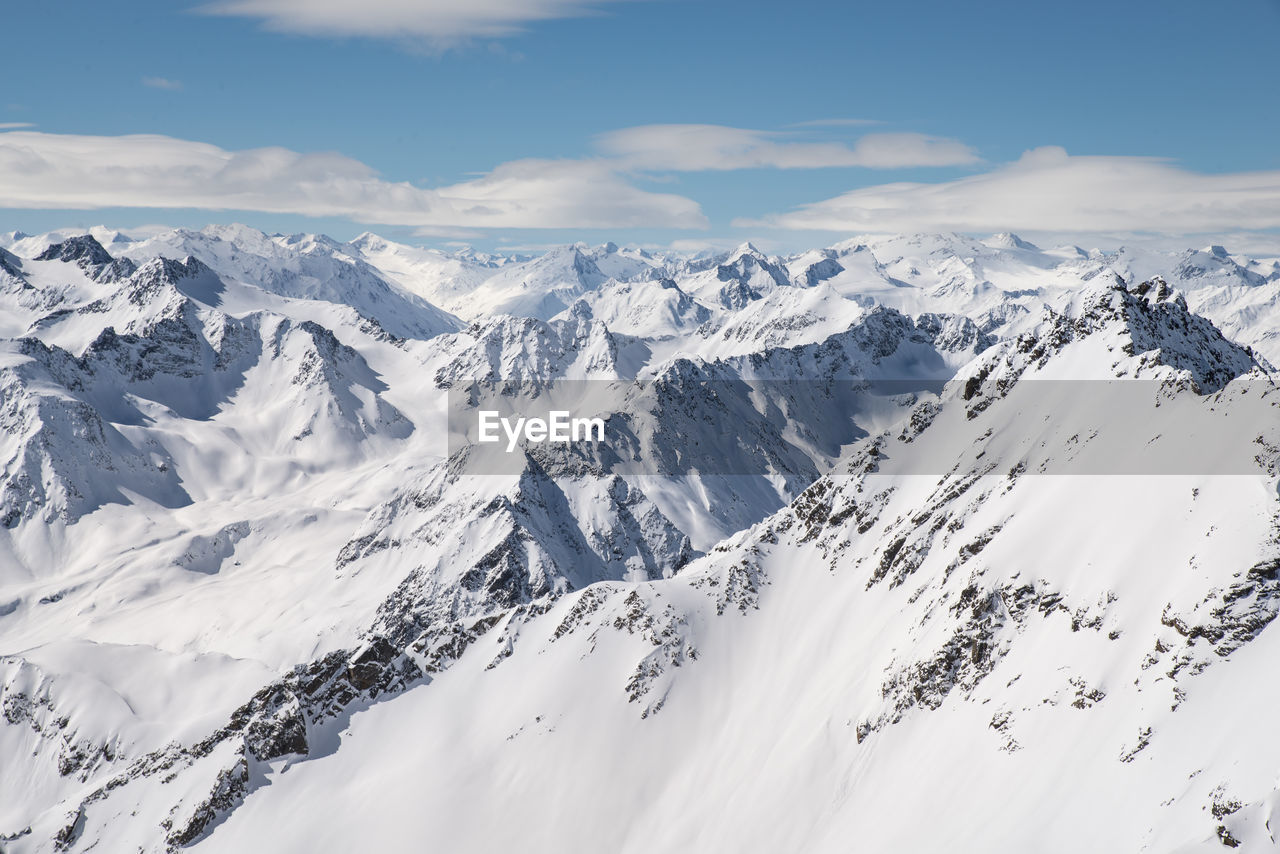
(162, 83)
(15, 125)
(57, 171)
(445, 232)
(441, 22)
(835, 123)
(690, 148)
(571, 193)
(1049, 190)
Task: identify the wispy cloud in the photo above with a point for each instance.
(1050, 190)
(440, 22)
(15, 125)
(836, 123)
(693, 148)
(1046, 190)
(162, 83)
(63, 171)
(445, 232)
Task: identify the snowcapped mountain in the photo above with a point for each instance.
(475, 287)
(302, 267)
(870, 558)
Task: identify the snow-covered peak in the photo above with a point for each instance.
(524, 352)
(625, 264)
(83, 250)
(87, 253)
(540, 288)
(1139, 331)
(1009, 240)
(746, 248)
(816, 265)
(308, 267)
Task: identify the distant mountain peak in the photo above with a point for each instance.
(82, 249)
(1009, 240)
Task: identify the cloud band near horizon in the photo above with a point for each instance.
(72, 172)
(1046, 190)
(703, 148)
(1049, 190)
(75, 172)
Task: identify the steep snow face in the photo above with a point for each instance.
(10, 264)
(875, 700)
(244, 587)
(435, 276)
(786, 316)
(538, 288)
(814, 266)
(1249, 314)
(654, 309)
(528, 541)
(517, 352)
(62, 459)
(734, 281)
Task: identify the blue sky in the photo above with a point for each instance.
(456, 105)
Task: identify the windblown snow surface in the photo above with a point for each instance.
(249, 603)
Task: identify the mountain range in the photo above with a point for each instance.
(251, 600)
